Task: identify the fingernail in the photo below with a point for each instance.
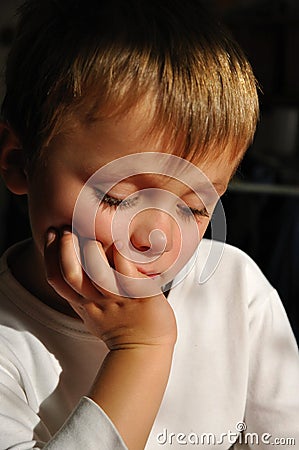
(51, 235)
(66, 231)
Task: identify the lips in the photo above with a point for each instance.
(149, 274)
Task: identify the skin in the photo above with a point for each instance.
(139, 332)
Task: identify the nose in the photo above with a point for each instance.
(152, 230)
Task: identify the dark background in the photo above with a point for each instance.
(262, 203)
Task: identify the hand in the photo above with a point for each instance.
(140, 332)
(120, 321)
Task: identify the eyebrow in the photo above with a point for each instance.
(219, 185)
(203, 189)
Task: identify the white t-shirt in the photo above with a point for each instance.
(235, 366)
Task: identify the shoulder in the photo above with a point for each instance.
(225, 271)
(220, 260)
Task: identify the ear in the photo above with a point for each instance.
(12, 160)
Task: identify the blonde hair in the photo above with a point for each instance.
(95, 59)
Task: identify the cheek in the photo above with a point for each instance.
(46, 211)
(188, 240)
(202, 227)
(52, 197)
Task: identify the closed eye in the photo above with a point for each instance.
(114, 202)
(188, 212)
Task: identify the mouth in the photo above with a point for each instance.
(149, 274)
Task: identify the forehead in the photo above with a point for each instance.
(142, 121)
(100, 142)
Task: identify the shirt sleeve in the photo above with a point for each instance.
(21, 427)
(87, 427)
(272, 409)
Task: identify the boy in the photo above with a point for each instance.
(107, 104)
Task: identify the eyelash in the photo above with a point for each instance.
(113, 202)
(188, 212)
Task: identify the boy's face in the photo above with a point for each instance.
(71, 159)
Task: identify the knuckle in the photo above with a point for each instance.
(71, 276)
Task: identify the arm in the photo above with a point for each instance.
(129, 387)
(273, 402)
(140, 334)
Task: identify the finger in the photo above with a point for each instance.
(72, 268)
(52, 265)
(98, 269)
(131, 282)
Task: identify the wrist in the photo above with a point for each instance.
(130, 386)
